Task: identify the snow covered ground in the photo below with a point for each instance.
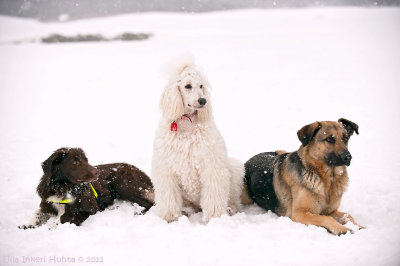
(272, 72)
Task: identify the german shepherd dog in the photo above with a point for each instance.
(306, 185)
(72, 190)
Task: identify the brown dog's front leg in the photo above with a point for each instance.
(328, 222)
(76, 219)
(343, 218)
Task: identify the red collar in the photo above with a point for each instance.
(174, 126)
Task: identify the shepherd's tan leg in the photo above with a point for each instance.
(343, 218)
(328, 222)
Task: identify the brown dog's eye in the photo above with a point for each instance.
(188, 86)
(76, 162)
(330, 139)
(345, 139)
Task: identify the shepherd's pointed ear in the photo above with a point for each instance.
(349, 126)
(54, 159)
(307, 133)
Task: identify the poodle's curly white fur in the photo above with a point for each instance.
(190, 166)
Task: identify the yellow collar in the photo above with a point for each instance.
(70, 200)
(94, 191)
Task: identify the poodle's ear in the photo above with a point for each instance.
(171, 102)
(205, 114)
(307, 133)
(55, 159)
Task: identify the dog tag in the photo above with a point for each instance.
(174, 126)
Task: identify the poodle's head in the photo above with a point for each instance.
(186, 92)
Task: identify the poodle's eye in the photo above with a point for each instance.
(188, 86)
(201, 86)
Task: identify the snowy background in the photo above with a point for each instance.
(272, 72)
(49, 10)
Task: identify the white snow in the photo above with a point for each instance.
(272, 72)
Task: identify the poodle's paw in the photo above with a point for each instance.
(169, 216)
(188, 211)
(215, 213)
(231, 210)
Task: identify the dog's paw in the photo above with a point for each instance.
(232, 210)
(53, 224)
(206, 219)
(214, 214)
(169, 217)
(354, 227)
(26, 226)
(340, 230)
(168, 214)
(188, 211)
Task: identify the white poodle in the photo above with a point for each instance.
(190, 163)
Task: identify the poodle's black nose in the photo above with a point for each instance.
(202, 101)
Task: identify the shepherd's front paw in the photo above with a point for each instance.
(339, 230)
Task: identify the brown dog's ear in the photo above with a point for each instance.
(54, 159)
(349, 126)
(307, 133)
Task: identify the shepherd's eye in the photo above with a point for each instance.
(188, 86)
(330, 140)
(201, 86)
(345, 138)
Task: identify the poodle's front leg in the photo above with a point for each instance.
(168, 196)
(236, 169)
(215, 190)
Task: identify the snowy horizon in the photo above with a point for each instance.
(48, 10)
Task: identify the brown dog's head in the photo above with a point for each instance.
(327, 141)
(70, 165)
